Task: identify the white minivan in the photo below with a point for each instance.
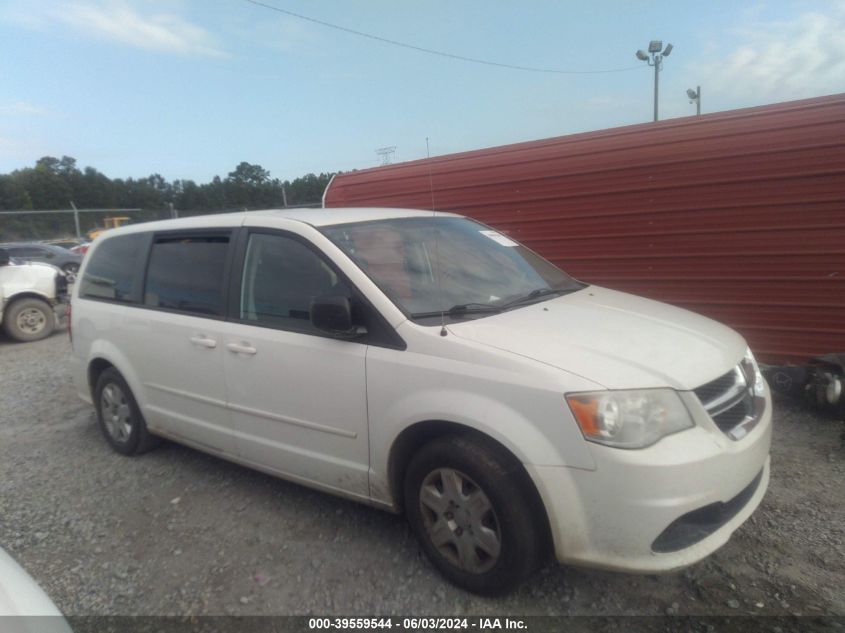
(425, 363)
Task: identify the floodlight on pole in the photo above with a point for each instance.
(695, 95)
(655, 47)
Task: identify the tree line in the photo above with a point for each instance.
(53, 183)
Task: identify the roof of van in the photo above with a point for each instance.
(314, 217)
(327, 217)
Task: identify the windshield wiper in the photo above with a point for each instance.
(461, 309)
(537, 294)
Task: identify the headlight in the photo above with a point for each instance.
(753, 376)
(629, 419)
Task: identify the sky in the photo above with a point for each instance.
(190, 88)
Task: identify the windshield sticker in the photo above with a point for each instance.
(498, 237)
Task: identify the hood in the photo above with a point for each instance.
(615, 339)
(42, 266)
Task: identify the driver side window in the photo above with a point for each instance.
(281, 277)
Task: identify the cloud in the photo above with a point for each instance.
(23, 108)
(118, 21)
(802, 57)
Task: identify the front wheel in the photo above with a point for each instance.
(472, 510)
(29, 320)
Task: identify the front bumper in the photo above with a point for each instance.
(660, 508)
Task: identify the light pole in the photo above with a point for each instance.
(695, 95)
(657, 52)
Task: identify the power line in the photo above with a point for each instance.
(431, 51)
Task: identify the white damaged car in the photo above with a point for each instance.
(29, 295)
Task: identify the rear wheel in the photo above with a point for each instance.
(119, 416)
(471, 508)
(29, 320)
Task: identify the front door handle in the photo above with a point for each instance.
(242, 348)
(203, 341)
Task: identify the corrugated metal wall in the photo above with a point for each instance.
(737, 215)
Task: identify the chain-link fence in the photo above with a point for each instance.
(62, 224)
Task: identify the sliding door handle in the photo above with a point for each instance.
(242, 348)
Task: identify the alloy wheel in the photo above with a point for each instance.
(116, 413)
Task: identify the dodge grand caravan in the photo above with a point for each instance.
(424, 363)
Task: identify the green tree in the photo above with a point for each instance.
(307, 189)
(249, 175)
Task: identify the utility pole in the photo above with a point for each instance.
(656, 81)
(657, 52)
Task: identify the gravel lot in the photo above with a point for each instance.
(179, 532)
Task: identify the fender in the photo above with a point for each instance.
(107, 351)
(559, 443)
(33, 294)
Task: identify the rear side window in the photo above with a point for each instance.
(186, 273)
(114, 270)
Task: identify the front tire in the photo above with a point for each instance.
(29, 320)
(119, 417)
(471, 507)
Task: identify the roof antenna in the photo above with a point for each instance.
(443, 330)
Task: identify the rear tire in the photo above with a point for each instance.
(472, 509)
(119, 417)
(29, 319)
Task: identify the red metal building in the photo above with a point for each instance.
(738, 215)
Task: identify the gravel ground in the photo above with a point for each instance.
(178, 532)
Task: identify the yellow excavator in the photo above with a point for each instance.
(108, 223)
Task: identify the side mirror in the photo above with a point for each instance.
(333, 314)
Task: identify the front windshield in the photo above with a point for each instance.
(480, 270)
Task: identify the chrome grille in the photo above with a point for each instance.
(715, 388)
(730, 402)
